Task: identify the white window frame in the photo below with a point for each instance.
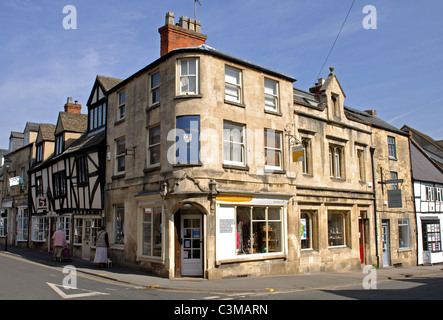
(39, 152)
(438, 194)
(278, 149)
(361, 164)
(307, 156)
(227, 133)
(235, 85)
(59, 144)
(144, 226)
(154, 90)
(182, 78)
(120, 155)
(336, 161)
(3, 226)
(334, 232)
(39, 229)
(271, 95)
(64, 222)
(151, 146)
(404, 223)
(430, 193)
(121, 109)
(392, 147)
(119, 208)
(22, 224)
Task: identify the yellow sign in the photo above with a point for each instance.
(233, 198)
(297, 153)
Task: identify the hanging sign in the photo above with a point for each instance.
(297, 153)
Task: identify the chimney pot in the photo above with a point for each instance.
(73, 107)
(371, 112)
(187, 33)
(183, 22)
(169, 18)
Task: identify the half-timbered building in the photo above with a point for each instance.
(65, 180)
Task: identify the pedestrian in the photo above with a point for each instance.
(60, 242)
(101, 248)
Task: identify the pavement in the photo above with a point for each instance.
(285, 283)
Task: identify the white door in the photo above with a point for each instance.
(191, 246)
(386, 244)
(87, 239)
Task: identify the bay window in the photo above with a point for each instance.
(188, 76)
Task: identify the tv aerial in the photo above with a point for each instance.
(195, 8)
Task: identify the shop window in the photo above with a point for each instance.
(38, 229)
(152, 232)
(259, 230)
(22, 224)
(3, 226)
(431, 235)
(64, 222)
(307, 229)
(78, 231)
(403, 234)
(119, 224)
(336, 229)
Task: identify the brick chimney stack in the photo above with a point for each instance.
(73, 107)
(186, 33)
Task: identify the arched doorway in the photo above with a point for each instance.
(189, 241)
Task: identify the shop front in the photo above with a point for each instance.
(251, 235)
(429, 228)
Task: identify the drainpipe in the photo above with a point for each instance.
(375, 207)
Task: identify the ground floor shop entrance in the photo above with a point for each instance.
(189, 243)
(386, 243)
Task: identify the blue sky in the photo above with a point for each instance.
(394, 69)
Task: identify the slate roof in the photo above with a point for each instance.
(47, 131)
(206, 50)
(432, 148)
(86, 141)
(74, 122)
(423, 168)
(372, 120)
(108, 82)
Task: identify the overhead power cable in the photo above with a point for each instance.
(338, 35)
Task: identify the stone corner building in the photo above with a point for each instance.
(201, 178)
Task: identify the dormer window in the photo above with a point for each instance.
(97, 116)
(59, 144)
(39, 152)
(335, 105)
